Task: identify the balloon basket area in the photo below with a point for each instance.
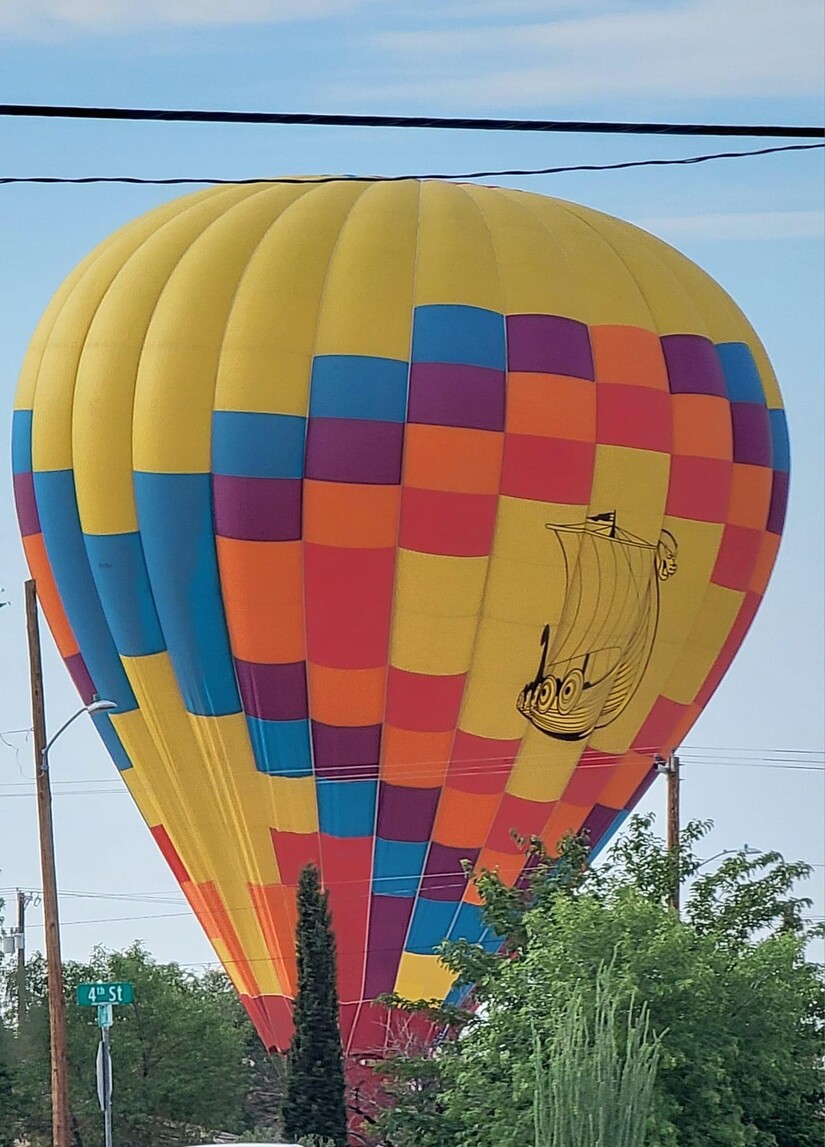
(372, 1035)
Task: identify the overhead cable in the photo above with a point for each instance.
(175, 181)
(450, 123)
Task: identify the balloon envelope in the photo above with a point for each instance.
(398, 519)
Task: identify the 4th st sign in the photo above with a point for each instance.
(105, 997)
(95, 995)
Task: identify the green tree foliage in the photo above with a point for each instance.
(10, 1105)
(739, 1009)
(314, 1101)
(594, 1082)
(264, 1074)
(9, 1099)
(186, 1060)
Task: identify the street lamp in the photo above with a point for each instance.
(51, 920)
(54, 967)
(96, 706)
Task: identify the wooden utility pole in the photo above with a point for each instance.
(54, 966)
(22, 901)
(673, 825)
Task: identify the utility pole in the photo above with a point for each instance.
(54, 966)
(670, 768)
(22, 902)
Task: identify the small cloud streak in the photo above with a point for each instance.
(756, 225)
(692, 49)
(44, 18)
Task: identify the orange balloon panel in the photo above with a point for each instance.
(398, 519)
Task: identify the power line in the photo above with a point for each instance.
(456, 770)
(724, 752)
(360, 950)
(176, 181)
(172, 899)
(123, 919)
(492, 765)
(450, 123)
(729, 749)
(757, 765)
(793, 760)
(756, 751)
(190, 914)
(361, 773)
(266, 960)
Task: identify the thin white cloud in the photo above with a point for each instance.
(46, 18)
(508, 9)
(693, 49)
(756, 225)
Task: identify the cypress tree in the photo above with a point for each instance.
(314, 1101)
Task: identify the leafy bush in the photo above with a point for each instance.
(738, 1010)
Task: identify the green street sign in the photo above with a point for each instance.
(95, 995)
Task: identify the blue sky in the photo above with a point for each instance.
(755, 224)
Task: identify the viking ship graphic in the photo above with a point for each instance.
(593, 661)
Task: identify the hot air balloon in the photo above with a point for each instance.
(397, 518)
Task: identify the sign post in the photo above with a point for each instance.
(105, 997)
(104, 1072)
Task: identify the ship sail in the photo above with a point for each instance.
(593, 660)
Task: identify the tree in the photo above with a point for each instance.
(314, 1101)
(178, 1054)
(264, 1073)
(9, 1095)
(9, 1107)
(728, 990)
(10, 1099)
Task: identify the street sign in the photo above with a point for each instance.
(104, 997)
(93, 995)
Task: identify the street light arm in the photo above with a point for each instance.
(62, 729)
(93, 707)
